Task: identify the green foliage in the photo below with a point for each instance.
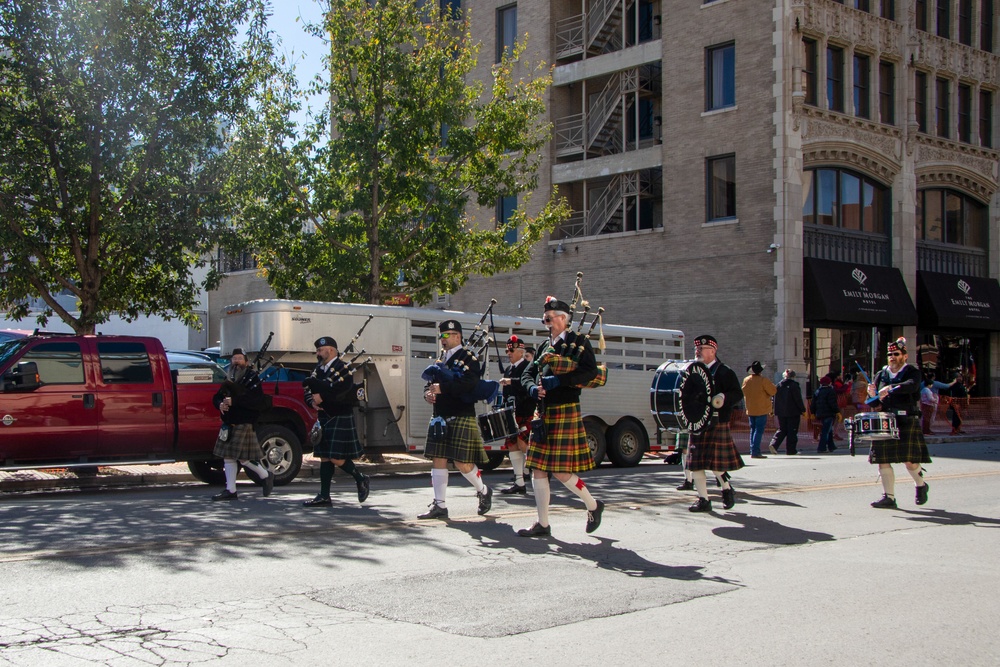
(112, 128)
(379, 185)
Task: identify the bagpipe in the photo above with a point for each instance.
(250, 380)
(340, 381)
(476, 346)
(566, 358)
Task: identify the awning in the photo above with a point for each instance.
(947, 301)
(847, 293)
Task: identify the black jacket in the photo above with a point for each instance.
(725, 381)
(906, 397)
(824, 403)
(788, 399)
(335, 386)
(524, 404)
(586, 370)
(248, 399)
(450, 402)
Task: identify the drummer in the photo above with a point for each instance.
(524, 409)
(713, 449)
(897, 386)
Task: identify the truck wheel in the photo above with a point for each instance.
(209, 472)
(595, 440)
(282, 452)
(628, 443)
(496, 458)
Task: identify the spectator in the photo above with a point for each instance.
(824, 407)
(757, 392)
(788, 408)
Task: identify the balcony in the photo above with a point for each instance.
(953, 259)
(839, 245)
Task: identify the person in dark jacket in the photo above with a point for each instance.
(788, 408)
(524, 410)
(824, 407)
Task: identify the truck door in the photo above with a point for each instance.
(57, 422)
(132, 403)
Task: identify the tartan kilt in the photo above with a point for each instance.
(523, 430)
(340, 439)
(242, 444)
(713, 449)
(463, 443)
(565, 448)
(909, 448)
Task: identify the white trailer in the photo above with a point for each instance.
(403, 341)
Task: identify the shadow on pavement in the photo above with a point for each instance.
(765, 531)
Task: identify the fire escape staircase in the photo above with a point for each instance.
(595, 32)
(598, 131)
(608, 212)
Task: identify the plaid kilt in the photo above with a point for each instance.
(463, 443)
(909, 448)
(340, 439)
(523, 430)
(242, 444)
(565, 448)
(713, 449)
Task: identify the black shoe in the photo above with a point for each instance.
(537, 530)
(485, 501)
(922, 493)
(758, 456)
(791, 453)
(703, 505)
(318, 501)
(594, 517)
(225, 495)
(833, 447)
(364, 487)
(885, 503)
(688, 485)
(514, 489)
(728, 498)
(435, 512)
(269, 483)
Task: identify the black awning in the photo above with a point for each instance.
(947, 301)
(845, 292)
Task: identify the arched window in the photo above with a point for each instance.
(845, 199)
(949, 216)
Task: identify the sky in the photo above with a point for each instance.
(301, 48)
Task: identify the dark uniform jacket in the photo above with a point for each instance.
(726, 382)
(586, 370)
(524, 404)
(334, 385)
(824, 403)
(788, 399)
(907, 397)
(451, 401)
(248, 399)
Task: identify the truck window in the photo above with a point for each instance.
(58, 363)
(124, 363)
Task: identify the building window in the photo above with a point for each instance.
(943, 18)
(720, 77)
(965, 22)
(506, 30)
(835, 78)
(986, 25)
(921, 101)
(863, 5)
(964, 113)
(451, 9)
(845, 199)
(985, 119)
(921, 15)
(887, 93)
(862, 98)
(949, 216)
(505, 209)
(887, 9)
(942, 106)
(721, 187)
(809, 70)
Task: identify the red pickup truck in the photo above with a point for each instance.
(85, 401)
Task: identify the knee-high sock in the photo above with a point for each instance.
(231, 469)
(888, 479)
(915, 474)
(351, 470)
(325, 475)
(576, 485)
(700, 483)
(439, 480)
(723, 479)
(517, 459)
(475, 478)
(257, 468)
(540, 485)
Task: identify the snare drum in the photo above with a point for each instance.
(498, 424)
(873, 426)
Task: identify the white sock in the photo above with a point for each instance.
(723, 482)
(540, 485)
(915, 474)
(439, 480)
(576, 485)
(260, 470)
(888, 479)
(517, 459)
(475, 478)
(229, 465)
(700, 483)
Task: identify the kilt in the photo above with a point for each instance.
(565, 448)
(463, 443)
(242, 444)
(713, 449)
(523, 430)
(340, 439)
(909, 448)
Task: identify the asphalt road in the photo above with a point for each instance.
(801, 572)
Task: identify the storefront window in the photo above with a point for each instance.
(843, 349)
(948, 355)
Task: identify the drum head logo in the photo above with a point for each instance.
(696, 394)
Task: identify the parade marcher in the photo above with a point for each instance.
(897, 386)
(524, 410)
(461, 441)
(240, 400)
(713, 449)
(560, 447)
(757, 392)
(330, 389)
(529, 353)
(824, 407)
(788, 408)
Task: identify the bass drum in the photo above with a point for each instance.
(680, 396)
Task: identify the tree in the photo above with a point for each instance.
(373, 198)
(113, 119)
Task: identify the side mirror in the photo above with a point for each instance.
(23, 377)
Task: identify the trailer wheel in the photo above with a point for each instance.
(282, 452)
(595, 440)
(209, 472)
(628, 444)
(496, 458)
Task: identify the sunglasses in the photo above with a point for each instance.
(445, 335)
(895, 354)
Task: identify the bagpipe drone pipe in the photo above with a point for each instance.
(566, 358)
(476, 347)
